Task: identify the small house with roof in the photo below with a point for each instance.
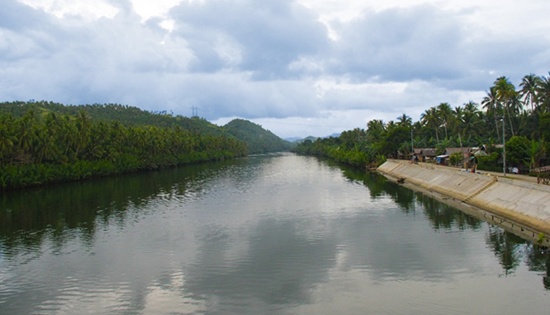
(425, 154)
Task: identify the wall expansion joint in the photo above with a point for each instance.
(482, 189)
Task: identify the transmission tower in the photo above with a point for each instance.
(194, 111)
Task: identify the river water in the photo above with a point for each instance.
(272, 234)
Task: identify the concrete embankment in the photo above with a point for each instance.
(518, 205)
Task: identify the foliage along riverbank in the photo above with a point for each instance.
(518, 117)
(41, 146)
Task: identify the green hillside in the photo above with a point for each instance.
(127, 115)
(257, 138)
(46, 142)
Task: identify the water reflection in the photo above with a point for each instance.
(267, 235)
(280, 266)
(80, 208)
(509, 248)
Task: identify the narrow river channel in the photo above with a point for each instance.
(271, 234)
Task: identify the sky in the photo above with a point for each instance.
(296, 67)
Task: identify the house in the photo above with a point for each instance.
(425, 154)
(465, 152)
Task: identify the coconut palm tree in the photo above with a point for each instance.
(543, 94)
(506, 94)
(6, 143)
(430, 118)
(536, 151)
(375, 129)
(529, 88)
(470, 119)
(404, 120)
(458, 120)
(492, 107)
(445, 113)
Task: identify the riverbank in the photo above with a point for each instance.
(515, 202)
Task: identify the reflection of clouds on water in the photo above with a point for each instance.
(279, 268)
(169, 298)
(269, 235)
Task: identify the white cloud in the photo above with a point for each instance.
(302, 67)
(90, 10)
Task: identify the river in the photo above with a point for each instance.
(268, 234)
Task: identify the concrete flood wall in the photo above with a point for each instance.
(521, 205)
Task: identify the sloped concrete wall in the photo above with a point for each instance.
(520, 201)
(526, 205)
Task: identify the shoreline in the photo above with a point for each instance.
(517, 204)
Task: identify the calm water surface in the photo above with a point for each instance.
(278, 234)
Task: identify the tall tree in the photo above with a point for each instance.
(528, 92)
(543, 94)
(375, 130)
(445, 113)
(404, 120)
(506, 95)
(430, 119)
(492, 107)
(471, 120)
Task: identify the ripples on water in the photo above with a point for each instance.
(263, 235)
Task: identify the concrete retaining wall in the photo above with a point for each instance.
(523, 202)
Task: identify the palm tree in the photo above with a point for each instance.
(458, 121)
(470, 119)
(536, 151)
(506, 94)
(492, 106)
(83, 127)
(26, 131)
(6, 143)
(529, 88)
(390, 125)
(375, 129)
(430, 119)
(445, 113)
(543, 94)
(404, 120)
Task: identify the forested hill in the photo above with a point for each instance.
(127, 115)
(45, 142)
(258, 139)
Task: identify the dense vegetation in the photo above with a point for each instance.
(46, 142)
(257, 139)
(519, 116)
(124, 114)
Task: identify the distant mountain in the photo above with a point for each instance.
(294, 139)
(311, 138)
(258, 139)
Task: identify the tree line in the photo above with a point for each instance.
(520, 117)
(43, 146)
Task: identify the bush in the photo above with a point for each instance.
(489, 162)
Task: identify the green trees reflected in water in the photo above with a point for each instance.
(508, 248)
(58, 214)
(30, 217)
(41, 146)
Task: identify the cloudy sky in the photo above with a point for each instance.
(296, 67)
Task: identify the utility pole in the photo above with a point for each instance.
(503, 147)
(412, 143)
(194, 111)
